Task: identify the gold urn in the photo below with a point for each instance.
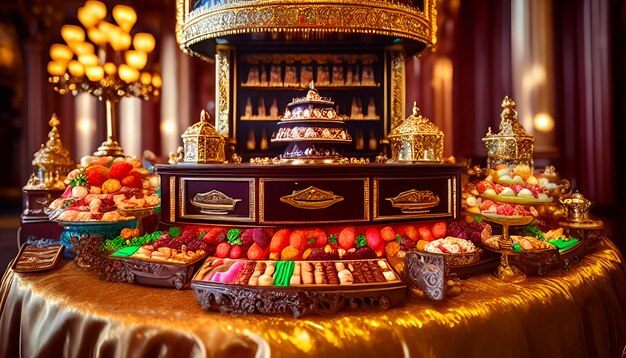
(416, 139)
(52, 162)
(512, 145)
(202, 144)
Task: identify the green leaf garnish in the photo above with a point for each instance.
(360, 240)
(399, 238)
(80, 180)
(233, 236)
(174, 231)
(532, 230)
(332, 239)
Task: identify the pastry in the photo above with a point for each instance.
(258, 271)
(320, 275)
(306, 271)
(295, 278)
(331, 273)
(356, 273)
(376, 271)
(389, 275)
(266, 280)
(345, 277)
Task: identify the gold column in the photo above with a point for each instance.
(223, 59)
(398, 84)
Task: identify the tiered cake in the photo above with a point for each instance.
(312, 129)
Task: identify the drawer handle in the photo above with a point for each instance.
(415, 201)
(214, 202)
(311, 198)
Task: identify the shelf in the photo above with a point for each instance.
(299, 87)
(264, 119)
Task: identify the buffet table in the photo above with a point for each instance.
(578, 313)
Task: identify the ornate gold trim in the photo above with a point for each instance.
(220, 216)
(311, 198)
(214, 202)
(415, 201)
(451, 197)
(306, 16)
(172, 199)
(398, 83)
(222, 90)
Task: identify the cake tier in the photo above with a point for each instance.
(310, 110)
(311, 133)
(309, 150)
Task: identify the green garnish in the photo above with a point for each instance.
(478, 219)
(118, 242)
(310, 241)
(532, 230)
(174, 231)
(80, 180)
(398, 238)
(233, 236)
(360, 240)
(332, 239)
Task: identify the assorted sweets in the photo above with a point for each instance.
(101, 186)
(297, 273)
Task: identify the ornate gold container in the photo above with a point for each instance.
(52, 162)
(512, 145)
(395, 20)
(577, 213)
(417, 139)
(201, 142)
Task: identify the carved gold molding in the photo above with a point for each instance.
(377, 17)
(222, 90)
(172, 199)
(311, 198)
(414, 201)
(451, 200)
(398, 83)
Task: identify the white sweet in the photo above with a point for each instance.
(490, 192)
(389, 275)
(505, 178)
(502, 172)
(525, 193)
(507, 192)
(518, 179)
(532, 180)
(543, 196)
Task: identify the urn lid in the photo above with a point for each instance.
(53, 153)
(203, 128)
(416, 124)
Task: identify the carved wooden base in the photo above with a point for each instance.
(297, 302)
(146, 273)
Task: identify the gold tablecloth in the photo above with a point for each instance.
(72, 313)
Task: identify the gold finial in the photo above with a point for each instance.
(508, 109)
(312, 86)
(54, 122)
(416, 110)
(205, 116)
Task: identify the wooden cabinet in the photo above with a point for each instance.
(308, 195)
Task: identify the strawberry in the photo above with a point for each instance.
(132, 181)
(95, 178)
(387, 233)
(255, 252)
(440, 230)
(483, 185)
(298, 240)
(235, 252)
(374, 239)
(280, 240)
(426, 234)
(222, 250)
(347, 238)
(486, 204)
(318, 235)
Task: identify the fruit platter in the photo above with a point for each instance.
(296, 287)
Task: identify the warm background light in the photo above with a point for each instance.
(71, 33)
(82, 48)
(156, 80)
(125, 16)
(137, 59)
(144, 42)
(56, 68)
(119, 39)
(97, 36)
(543, 122)
(94, 73)
(76, 68)
(86, 17)
(146, 78)
(59, 52)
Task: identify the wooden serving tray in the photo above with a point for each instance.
(33, 258)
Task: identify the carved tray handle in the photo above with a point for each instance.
(311, 198)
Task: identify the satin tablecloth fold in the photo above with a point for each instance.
(69, 312)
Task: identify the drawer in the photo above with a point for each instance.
(217, 199)
(415, 198)
(313, 201)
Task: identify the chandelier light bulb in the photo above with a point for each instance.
(110, 68)
(146, 78)
(97, 36)
(136, 59)
(94, 73)
(125, 17)
(86, 17)
(119, 39)
(82, 48)
(88, 60)
(56, 68)
(128, 73)
(144, 42)
(156, 80)
(96, 9)
(71, 33)
(76, 69)
(61, 53)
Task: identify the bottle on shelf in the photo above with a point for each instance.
(274, 109)
(261, 111)
(248, 108)
(251, 142)
(373, 142)
(264, 143)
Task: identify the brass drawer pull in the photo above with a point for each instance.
(415, 201)
(214, 202)
(311, 198)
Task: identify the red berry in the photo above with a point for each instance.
(120, 170)
(222, 250)
(387, 233)
(347, 238)
(255, 252)
(440, 230)
(426, 234)
(374, 239)
(235, 252)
